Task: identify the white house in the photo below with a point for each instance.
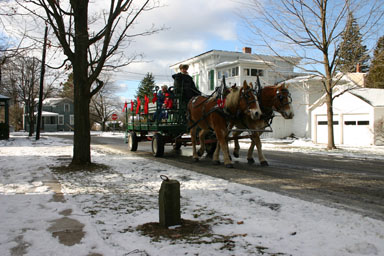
(307, 93)
(358, 118)
(208, 69)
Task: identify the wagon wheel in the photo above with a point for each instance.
(177, 145)
(157, 145)
(210, 149)
(132, 141)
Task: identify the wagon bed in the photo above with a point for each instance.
(172, 129)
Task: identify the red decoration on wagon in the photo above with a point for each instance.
(146, 101)
(138, 105)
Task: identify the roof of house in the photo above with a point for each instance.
(340, 78)
(2, 97)
(54, 101)
(46, 113)
(248, 61)
(373, 96)
(260, 56)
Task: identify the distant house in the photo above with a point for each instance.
(57, 115)
(208, 69)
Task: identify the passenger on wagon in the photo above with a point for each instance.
(185, 81)
(159, 114)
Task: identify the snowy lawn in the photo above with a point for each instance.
(115, 201)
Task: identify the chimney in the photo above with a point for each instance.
(247, 50)
(358, 68)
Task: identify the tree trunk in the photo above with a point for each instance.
(331, 140)
(82, 96)
(31, 122)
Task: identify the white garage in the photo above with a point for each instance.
(358, 118)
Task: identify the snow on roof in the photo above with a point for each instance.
(248, 61)
(46, 113)
(373, 96)
(2, 97)
(235, 53)
(340, 78)
(53, 101)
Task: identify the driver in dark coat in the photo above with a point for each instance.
(185, 81)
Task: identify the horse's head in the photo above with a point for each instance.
(246, 101)
(282, 102)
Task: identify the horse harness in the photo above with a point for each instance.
(220, 110)
(268, 112)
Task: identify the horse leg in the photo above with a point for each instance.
(222, 138)
(193, 140)
(202, 134)
(216, 154)
(236, 149)
(256, 141)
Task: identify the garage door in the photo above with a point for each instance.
(322, 129)
(356, 130)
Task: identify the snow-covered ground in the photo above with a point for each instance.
(109, 204)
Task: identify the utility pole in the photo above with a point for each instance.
(40, 107)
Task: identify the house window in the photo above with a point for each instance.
(66, 107)
(71, 120)
(235, 71)
(362, 122)
(350, 122)
(61, 120)
(211, 79)
(253, 72)
(326, 123)
(257, 72)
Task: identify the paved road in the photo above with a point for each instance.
(347, 183)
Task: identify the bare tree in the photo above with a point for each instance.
(91, 43)
(104, 104)
(312, 30)
(21, 83)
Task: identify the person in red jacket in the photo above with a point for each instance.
(168, 103)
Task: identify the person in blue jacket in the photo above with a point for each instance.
(159, 103)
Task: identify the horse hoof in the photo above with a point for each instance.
(196, 159)
(229, 166)
(236, 154)
(216, 162)
(251, 161)
(264, 163)
(199, 153)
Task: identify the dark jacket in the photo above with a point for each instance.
(183, 83)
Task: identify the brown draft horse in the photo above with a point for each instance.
(205, 113)
(272, 98)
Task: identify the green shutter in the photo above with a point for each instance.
(197, 81)
(211, 80)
